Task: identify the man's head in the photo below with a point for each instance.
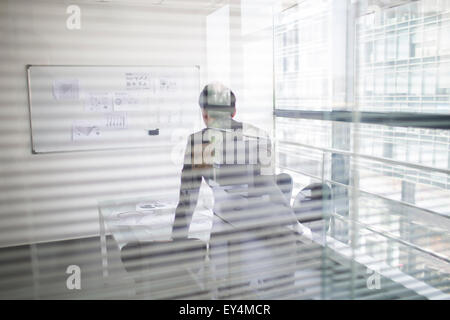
(217, 101)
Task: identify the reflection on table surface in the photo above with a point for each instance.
(147, 219)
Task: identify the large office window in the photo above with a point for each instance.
(398, 173)
(402, 66)
(303, 79)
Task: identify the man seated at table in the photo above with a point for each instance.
(253, 216)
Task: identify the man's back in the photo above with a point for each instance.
(234, 162)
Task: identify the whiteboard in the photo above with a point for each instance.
(75, 108)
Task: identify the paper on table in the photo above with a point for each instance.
(156, 206)
(201, 225)
(128, 218)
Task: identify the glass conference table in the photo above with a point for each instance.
(145, 219)
(148, 220)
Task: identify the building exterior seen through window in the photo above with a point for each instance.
(400, 58)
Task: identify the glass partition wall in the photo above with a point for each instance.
(353, 94)
(381, 143)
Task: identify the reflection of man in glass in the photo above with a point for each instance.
(234, 159)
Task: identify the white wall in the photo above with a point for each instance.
(250, 69)
(54, 196)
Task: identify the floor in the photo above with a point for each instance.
(39, 272)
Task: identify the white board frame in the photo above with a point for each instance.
(35, 147)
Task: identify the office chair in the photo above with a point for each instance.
(253, 209)
(313, 207)
(284, 182)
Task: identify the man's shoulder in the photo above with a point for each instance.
(247, 129)
(197, 136)
(197, 133)
(251, 130)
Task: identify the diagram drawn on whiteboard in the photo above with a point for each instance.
(130, 101)
(138, 81)
(66, 89)
(85, 132)
(98, 102)
(99, 128)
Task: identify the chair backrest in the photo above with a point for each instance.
(239, 164)
(284, 182)
(314, 204)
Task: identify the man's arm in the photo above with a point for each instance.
(191, 179)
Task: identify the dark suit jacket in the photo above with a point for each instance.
(197, 166)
